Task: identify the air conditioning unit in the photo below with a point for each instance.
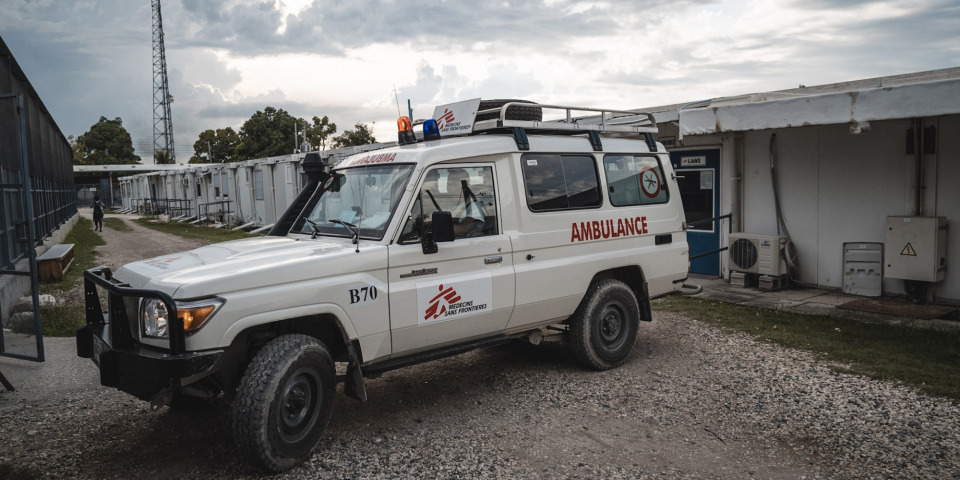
(760, 254)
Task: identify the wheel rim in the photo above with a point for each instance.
(611, 326)
(299, 405)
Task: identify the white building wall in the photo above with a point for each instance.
(796, 170)
(948, 200)
(863, 179)
(838, 187)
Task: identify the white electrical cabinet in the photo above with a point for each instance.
(863, 268)
(916, 248)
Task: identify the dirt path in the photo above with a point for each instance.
(124, 247)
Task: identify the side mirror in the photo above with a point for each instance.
(442, 226)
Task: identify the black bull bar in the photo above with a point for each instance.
(125, 363)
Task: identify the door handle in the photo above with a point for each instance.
(492, 260)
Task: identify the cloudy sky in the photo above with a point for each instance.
(347, 58)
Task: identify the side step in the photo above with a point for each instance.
(453, 350)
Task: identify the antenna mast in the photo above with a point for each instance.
(162, 121)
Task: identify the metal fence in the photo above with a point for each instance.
(37, 196)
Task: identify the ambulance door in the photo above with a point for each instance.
(466, 289)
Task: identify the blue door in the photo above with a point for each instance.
(698, 171)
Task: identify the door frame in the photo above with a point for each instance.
(712, 264)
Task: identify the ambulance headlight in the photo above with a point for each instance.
(155, 317)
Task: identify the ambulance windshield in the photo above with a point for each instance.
(362, 197)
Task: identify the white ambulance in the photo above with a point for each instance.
(489, 225)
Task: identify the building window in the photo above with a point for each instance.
(634, 180)
(560, 182)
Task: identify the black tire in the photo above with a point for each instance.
(284, 402)
(604, 328)
(515, 112)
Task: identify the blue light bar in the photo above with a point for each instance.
(430, 130)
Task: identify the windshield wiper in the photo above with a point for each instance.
(352, 228)
(314, 226)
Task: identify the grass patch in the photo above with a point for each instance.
(60, 321)
(186, 230)
(923, 358)
(117, 224)
(84, 241)
(9, 472)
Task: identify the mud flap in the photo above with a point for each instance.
(353, 384)
(645, 313)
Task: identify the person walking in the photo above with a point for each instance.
(98, 207)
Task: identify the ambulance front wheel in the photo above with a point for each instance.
(284, 402)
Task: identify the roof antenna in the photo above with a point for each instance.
(397, 98)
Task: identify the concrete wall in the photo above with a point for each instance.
(13, 287)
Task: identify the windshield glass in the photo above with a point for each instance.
(361, 197)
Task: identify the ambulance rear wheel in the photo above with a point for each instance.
(284, 402)
(604, 328)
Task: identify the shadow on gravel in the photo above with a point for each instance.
(165, 444)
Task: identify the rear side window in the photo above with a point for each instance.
(635, 180)
(560, 182)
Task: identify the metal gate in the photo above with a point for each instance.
(19, 339)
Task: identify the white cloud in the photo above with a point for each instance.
(230, 58)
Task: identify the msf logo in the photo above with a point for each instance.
(446, 118)
(162, 264)
(437, 308)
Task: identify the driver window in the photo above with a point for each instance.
(466, 192)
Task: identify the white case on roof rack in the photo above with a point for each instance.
(459, 119)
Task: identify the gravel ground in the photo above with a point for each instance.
(692, 402)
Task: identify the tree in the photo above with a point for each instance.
(77, 148)
(161, 157)
(216, 146)
(267, 134)
(360, 135)
(106, 143)
(321, 129)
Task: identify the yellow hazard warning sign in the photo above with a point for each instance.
(909, 251)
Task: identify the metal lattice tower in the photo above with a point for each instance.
(162, 121)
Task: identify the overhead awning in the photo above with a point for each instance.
(858, 107)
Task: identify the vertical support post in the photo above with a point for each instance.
(31, 228)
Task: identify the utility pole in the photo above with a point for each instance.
(209, 152)
(162, 120)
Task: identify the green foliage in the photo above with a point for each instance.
(318, 133)
(924, 358)
(60, 321)
(77, 148)
(360, 135)
(211, 235)
(267, 134)
(106, 143)
(223, 145)
(117, 224)
(162, 158)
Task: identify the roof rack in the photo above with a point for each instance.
(622, 123)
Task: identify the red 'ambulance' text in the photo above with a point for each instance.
(599, 229)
